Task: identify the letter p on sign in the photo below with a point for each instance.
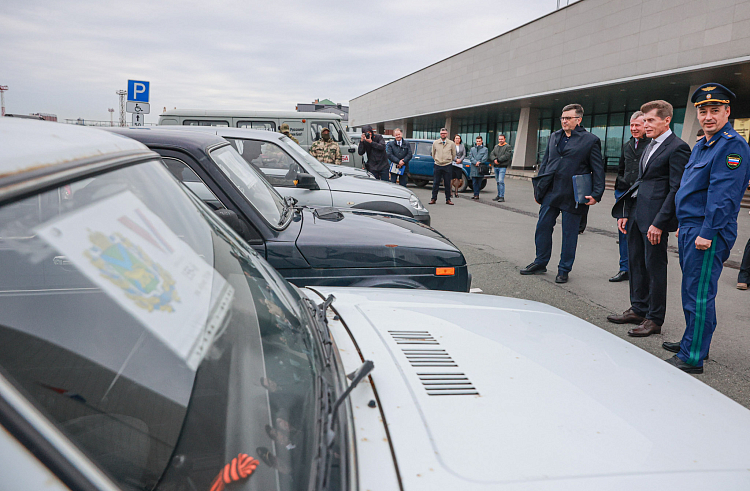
(138, 90)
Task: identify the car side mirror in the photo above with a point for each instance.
(351, 150)
(305, 181)
(235, 222)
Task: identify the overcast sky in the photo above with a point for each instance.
(68, 58)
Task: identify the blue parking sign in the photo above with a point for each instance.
(137, 91)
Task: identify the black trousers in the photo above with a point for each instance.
(744, 276)
(442, 173)
(648, 273)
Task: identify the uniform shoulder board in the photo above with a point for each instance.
(728, 135)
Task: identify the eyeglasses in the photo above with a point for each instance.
(568, 118)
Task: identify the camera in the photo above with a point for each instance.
(368, 135)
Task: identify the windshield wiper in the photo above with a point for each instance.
(355, 377)
(321, 324)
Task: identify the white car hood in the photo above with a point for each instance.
(353, 184)
(556, 403)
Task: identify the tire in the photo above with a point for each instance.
(420, 183)
(484, 184)
(464, 183)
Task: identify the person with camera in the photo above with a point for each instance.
(478, 157)
(373, 145)
(399, 153)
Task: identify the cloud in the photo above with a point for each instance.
(70, 57)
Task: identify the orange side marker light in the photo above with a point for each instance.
(445, 271)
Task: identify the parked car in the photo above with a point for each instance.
(305, 127)
(161, 352)
(422, 165)
(308, 246)
(279, 159)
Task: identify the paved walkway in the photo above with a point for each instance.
(498, 240)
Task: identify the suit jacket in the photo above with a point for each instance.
(582, 155)
(630, 157)
(655, 188)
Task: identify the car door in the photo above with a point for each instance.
(281, 170)
(422, 162)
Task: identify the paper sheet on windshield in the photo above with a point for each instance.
(134, 257)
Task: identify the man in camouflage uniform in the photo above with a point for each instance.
(284, 128)
(326, 150)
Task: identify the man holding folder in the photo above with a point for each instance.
(646, 213)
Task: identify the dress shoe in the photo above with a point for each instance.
(448, 202)
(742, 286)
(620, 276)
(645, 328)
(432, 202)
(561, 278)
(676, 362)
(675, 347)
(501, 200)
(496, 198)
(627, 317)
(534, 268)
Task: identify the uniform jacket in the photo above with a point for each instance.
(477, 154)
(397, 154)
(503, 155)
(715, 179)
(443, 154)
(377, 160)
(630, 157)
(655, 188)
(582, 155)
(327, 152)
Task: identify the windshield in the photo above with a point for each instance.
(309, 159)
(250, 183)
(157, 341)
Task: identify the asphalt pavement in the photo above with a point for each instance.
(498, 240)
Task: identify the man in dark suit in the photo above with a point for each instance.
(627, 174)
(570, 151)
(646, 213)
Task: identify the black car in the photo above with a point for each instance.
(308, 246)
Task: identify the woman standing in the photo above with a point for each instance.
(458, 172)
(478, 155)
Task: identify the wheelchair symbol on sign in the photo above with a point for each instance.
(138, 109)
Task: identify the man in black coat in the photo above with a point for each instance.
(627, 174)
(399, 154)
(570, 151)
(646, 213)
(373, 145)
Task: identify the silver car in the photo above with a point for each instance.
(294, 172)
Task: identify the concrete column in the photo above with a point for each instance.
(448, 122)
(409, 128)
(524, 153)
(381, 128)
(690, 126)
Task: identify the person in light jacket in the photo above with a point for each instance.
(477, 155)
(500, 159)
(458, 163)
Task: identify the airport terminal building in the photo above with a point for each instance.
(610, 56)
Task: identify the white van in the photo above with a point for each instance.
(305, 127)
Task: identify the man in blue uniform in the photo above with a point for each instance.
(708, 203)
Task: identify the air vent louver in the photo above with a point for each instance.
(443, 383)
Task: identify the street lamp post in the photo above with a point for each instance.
(111, 115)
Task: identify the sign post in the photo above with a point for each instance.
(138, 105)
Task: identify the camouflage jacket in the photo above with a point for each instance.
(326, 152)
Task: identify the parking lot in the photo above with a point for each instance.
(498, 240)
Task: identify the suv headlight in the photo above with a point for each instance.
(415, 203)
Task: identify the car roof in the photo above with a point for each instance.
(36, 150)
(230, 132)
(156, 136)
(247, 113)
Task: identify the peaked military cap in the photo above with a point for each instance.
(712, 94)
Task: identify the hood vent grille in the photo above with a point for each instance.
(442, 383)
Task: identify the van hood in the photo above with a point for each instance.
(485, 392)
(351, 238)
(351, 184)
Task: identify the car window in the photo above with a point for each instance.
(424, 148)
(203, 122)
(163, 347)
(257, 125)
(303, 154)
(251, 183)
(190, 179)
(316, 126)
(278, 166)
(413, 146)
